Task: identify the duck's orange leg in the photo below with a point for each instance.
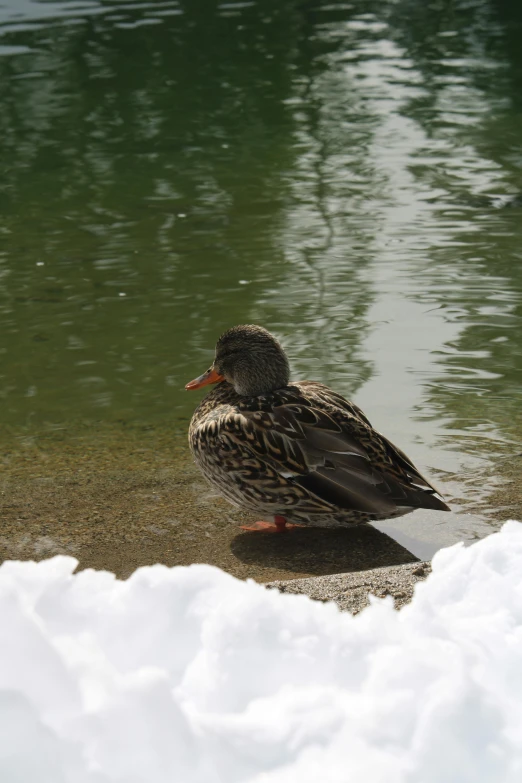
(280, 526)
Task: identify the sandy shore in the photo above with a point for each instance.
(119, 495)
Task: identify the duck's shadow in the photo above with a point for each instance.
(321, 551)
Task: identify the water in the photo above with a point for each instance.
(346, 174)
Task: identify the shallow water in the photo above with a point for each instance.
(346, 174)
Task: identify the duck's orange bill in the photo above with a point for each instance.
(210, 376)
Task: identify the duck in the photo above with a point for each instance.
(295, 453)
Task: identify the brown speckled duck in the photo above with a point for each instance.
(295, 452)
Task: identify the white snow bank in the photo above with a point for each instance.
(187, 675)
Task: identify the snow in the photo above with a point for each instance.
(189, 675)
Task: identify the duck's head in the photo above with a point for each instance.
(250, 359)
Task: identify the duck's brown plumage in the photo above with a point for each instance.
(304, 453)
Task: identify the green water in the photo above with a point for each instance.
(347, 174)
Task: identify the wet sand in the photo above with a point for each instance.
(119, 496)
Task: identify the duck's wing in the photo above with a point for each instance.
(323, 397)
(329, 455)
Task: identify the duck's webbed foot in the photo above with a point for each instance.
(280, 526)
